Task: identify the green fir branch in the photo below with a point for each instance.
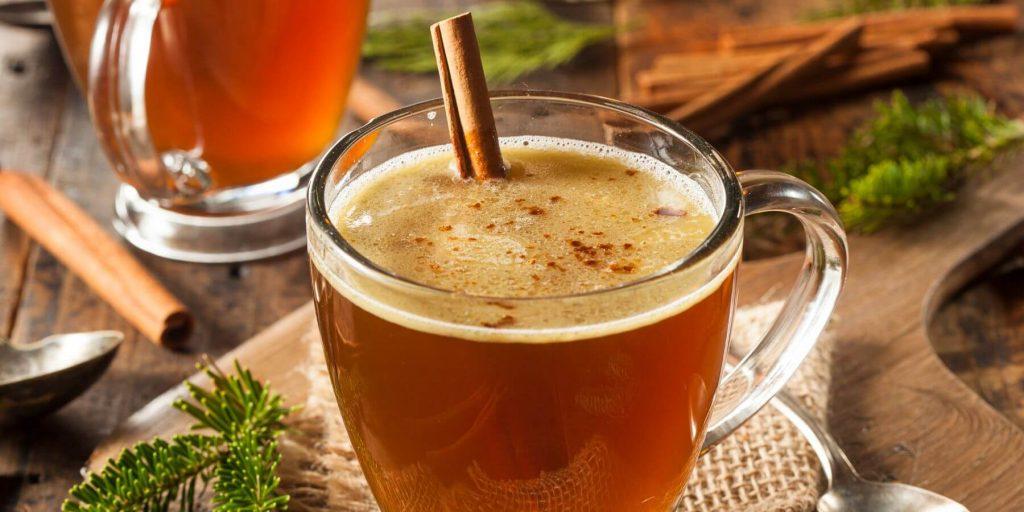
(515, 38)
(236, 405)
(247, 478)
(240, 457)
(909, 159)
(149, 476)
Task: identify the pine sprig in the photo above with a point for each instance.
(240, 457)
(247, 477)
(149, 476)
(910, 159)
(236, 405)
(515, 38)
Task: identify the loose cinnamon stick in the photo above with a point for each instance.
(986, 18)
(973, 18)
(367, 101)
(723, 92)
(668, 99)
(840, 38)
(877, 70)
(652, 81)
(75, 239)
(710, 71)
(730, 58)
(467, 102)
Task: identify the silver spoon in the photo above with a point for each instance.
(37, 378)
(847, 490)
(25, 13)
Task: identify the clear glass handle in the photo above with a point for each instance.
(764, 371)
(119, 61)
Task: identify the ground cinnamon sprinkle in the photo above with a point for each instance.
(502, 305)
(552, 264)
(670, 212)
(489, 226)
(555, 199)
(630, 172)
(504, 321)
(446, 227)
(628, 268)
(535, 210)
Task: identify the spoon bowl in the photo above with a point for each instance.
(847, 490)
(40, 377)
(858, 495)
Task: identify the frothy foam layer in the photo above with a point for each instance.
(573, 217)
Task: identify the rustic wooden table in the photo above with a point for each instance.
(44, 129)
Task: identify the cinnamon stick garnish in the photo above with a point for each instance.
(74, 238)
(466, 100)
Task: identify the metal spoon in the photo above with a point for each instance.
(848, 491)
(37, 378)
(25, 13)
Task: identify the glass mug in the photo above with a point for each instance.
(551, 413)
(211, 113)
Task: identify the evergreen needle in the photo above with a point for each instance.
(910, 159)
(240, 456)
(515, 38)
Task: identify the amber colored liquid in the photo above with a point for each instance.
(75, 20)
(254, 87)
(447, 424)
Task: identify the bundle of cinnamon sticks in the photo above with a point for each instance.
(708, 81)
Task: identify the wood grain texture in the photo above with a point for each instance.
(31, 103)
(979, 334)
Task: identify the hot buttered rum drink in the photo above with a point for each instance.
(553, 366)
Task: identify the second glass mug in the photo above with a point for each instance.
(211, 113)
(551, 414)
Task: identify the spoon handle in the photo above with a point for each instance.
(834, 462)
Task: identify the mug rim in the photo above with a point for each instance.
(725, 227)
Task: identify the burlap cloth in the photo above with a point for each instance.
(766, 465)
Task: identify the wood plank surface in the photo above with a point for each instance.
(979, 334)
(44, 129)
